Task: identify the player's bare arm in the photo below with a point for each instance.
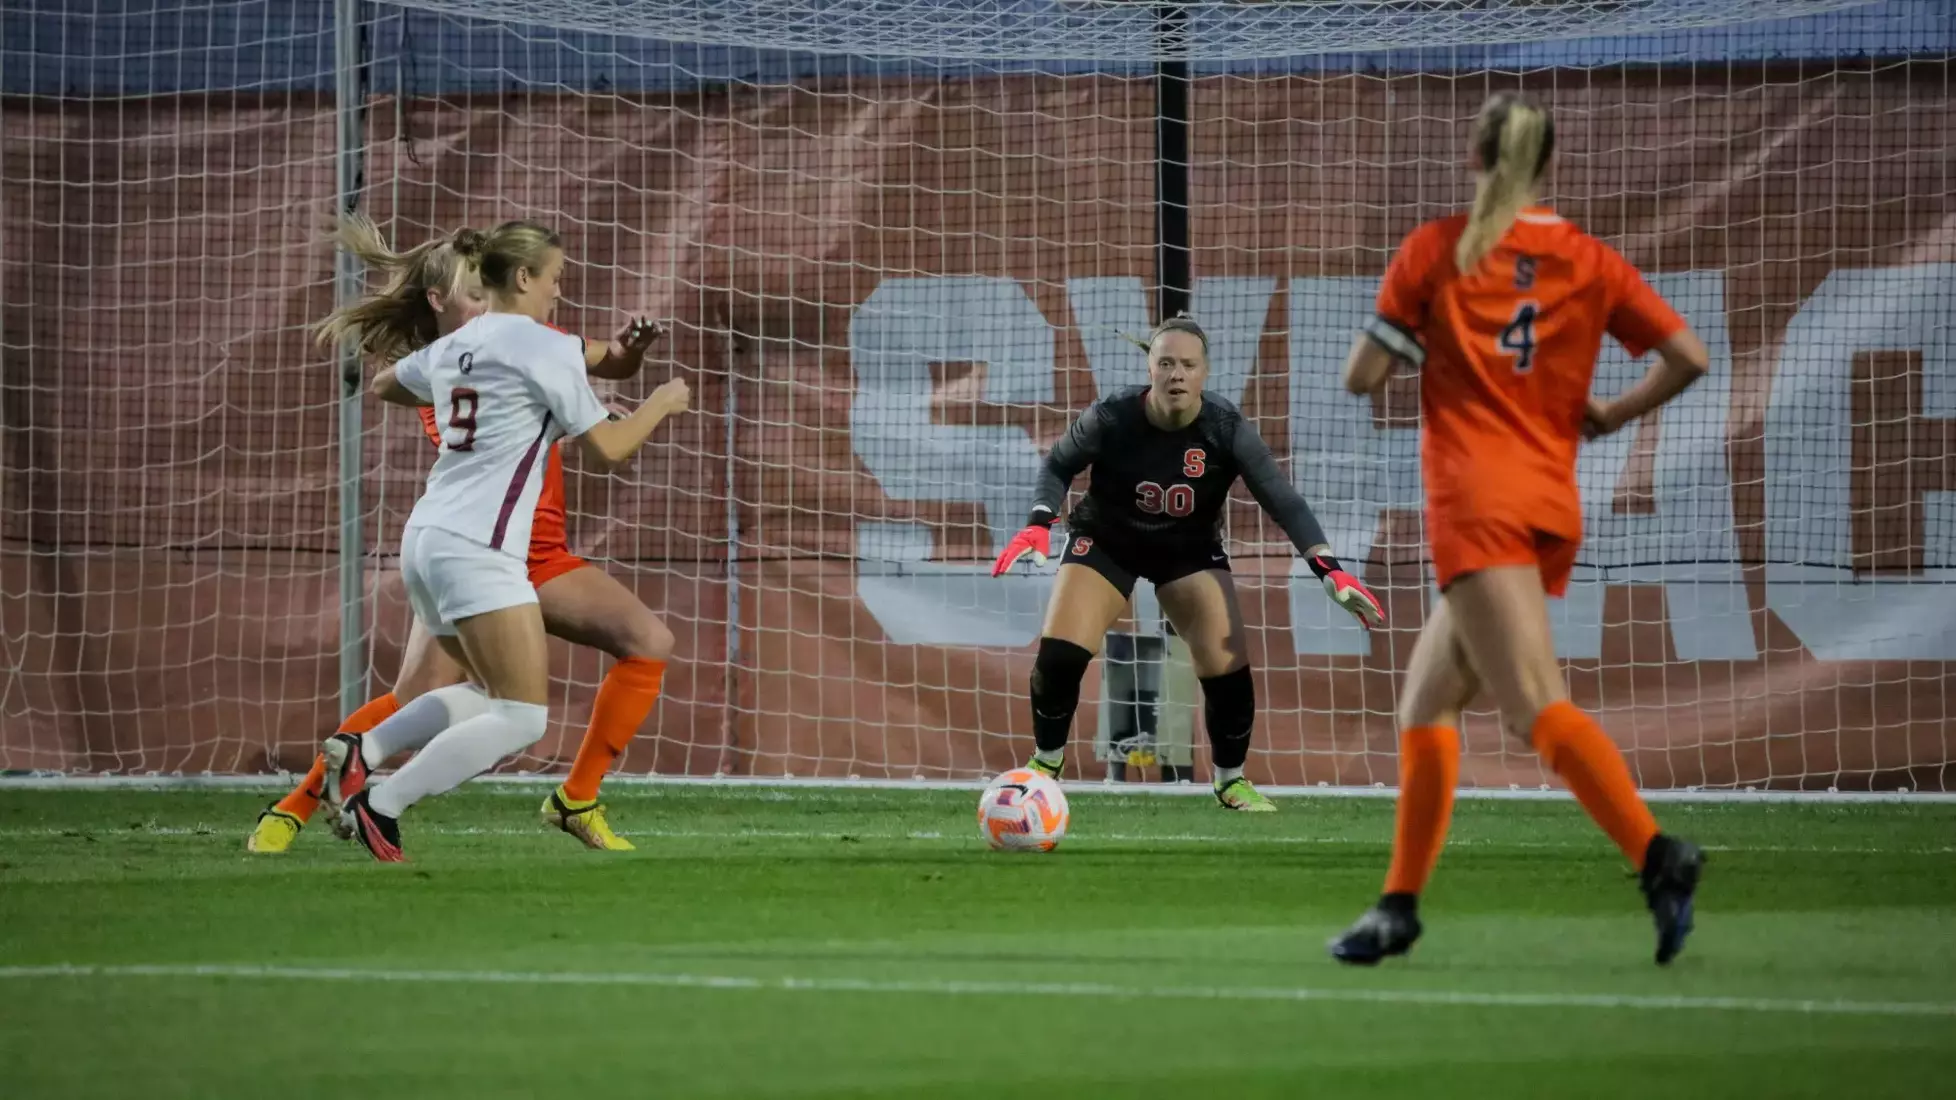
(1681, 361)
(1367, 365)
(612, 442)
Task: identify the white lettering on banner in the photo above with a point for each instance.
(900, 330)
(1352, 470)
(921, 602)
(903, 327)
(1809, 452)
(1104, 308)
(1687, 542)
(1348, 468)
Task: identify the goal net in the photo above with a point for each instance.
(897, 242)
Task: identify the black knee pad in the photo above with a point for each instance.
(1229, 710)
(1056, 676)
(1057, 672)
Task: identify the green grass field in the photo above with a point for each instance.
(817, 943)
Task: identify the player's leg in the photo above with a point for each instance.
(1089, 595)
(436, 694)
(1502, 618)
(1502, 621)
(1206, 613)
(588, 607)
(424, 668)
(1439, 684)
(481, 606)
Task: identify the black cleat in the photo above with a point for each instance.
(1669, 880)
(378, 833)
(1378, 933)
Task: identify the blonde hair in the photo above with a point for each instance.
(515, 246)
(1181, 322)
(1513, 138)
(396, 319)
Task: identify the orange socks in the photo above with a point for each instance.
(305, 798)
(1429, 770)
(1578, 750)
(624, 699)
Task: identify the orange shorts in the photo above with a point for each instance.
(1469, 546)
(547, 563)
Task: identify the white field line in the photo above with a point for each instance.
(948, 988)
(933, 836)
(789, 786)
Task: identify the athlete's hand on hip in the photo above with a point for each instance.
(1346, 591)
(1600, 418)
(1036, 539)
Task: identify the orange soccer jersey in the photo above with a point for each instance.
(550, 554)
(1508, 351)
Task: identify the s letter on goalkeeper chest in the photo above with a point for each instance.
(1166, 488)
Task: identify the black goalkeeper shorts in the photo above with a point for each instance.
(1124, 560)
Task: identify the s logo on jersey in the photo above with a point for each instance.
(1194, 461)
(1081, 546)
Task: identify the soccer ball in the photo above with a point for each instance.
(1022, 811)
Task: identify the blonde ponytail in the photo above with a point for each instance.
(1513, 139)
(396, 319)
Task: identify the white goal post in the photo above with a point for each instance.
(896, 242)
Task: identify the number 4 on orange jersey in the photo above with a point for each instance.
(1518, 339)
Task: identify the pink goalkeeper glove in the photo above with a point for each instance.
(1345, 591)
(1036, 539)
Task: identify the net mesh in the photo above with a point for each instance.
(894, 274)
(1123, 30)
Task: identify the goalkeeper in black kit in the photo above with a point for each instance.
(1164, 457)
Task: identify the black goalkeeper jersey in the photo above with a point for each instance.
(1162, 488)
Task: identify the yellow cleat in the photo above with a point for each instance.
(274, 833)
(1238, 794)
(583, 820)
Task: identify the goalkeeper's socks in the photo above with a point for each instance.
(304, 799)
(1226, 776)
(1052, 758)
(1578, 750)
(1429, 770)
(624, 700)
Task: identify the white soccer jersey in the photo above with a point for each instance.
(504, 388)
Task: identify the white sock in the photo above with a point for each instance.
(1054, 757)
(1224, 775)
(417, 723)
(460, 753)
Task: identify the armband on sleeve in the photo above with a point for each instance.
(1396, 339)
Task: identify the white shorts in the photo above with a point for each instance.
(450, 578)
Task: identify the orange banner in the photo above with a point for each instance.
(889, 300)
